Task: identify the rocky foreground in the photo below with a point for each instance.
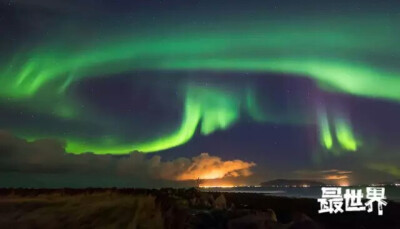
(173, 209)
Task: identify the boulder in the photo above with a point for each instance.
(220, 202)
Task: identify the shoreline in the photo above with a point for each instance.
(193, 205)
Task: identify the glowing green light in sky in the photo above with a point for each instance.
(324, 131)
(345, 135)
(330, 52)
(214, 108)
(219, 109)
(332, 57)
(183, 134)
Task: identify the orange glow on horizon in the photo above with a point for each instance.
(218, 183)
(344, 183)
(217, 186)
(336, 177)
(206, 167)
(212, 175)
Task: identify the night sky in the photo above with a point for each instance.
(160, 93)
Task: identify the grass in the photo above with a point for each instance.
(98, 210)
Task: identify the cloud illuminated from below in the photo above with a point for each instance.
(205, 166)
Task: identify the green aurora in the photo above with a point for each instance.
(343, 133)
(330, 52)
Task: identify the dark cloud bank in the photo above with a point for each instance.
(44, 163)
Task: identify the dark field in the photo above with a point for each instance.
(173, 208)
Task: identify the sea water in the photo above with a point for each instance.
(391, 192)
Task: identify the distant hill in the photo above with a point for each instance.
(396, 183)
(285, 182)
